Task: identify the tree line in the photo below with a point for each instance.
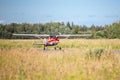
(107, 31)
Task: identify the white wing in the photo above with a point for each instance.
(32, 35)
(74, 35)
(60, 36)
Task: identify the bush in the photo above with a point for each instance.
(95, 53)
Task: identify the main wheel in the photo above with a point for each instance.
(60, 48)
(44, 47)
(55, 48)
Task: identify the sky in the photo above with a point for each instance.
(81, 12)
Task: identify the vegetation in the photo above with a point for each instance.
(107, 31)
(64, 43)
(79, 59)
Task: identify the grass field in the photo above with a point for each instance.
(79, 59)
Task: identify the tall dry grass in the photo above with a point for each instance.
(64, 43)
(78, 60)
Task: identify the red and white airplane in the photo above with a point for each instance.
(53, 39)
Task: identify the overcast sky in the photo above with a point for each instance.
(87, 12)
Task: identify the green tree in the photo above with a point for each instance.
(68, 25)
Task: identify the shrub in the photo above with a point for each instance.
(95, 53)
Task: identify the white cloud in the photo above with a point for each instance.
(1, 21)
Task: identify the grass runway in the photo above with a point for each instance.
(79, 59)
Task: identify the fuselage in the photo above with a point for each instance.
(52, 41)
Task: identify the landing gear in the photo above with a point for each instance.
(44, 47)
(57, 47)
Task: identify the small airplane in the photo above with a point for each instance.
(53, 39)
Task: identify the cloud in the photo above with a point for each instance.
(91, 16)
(112, 16)
(1, 21)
